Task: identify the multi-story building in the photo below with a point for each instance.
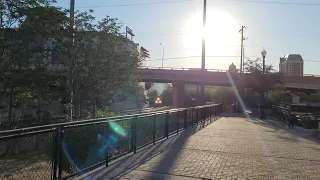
(291, 65)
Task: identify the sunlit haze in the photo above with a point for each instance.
(178, 26)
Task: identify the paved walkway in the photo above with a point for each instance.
(229, 148)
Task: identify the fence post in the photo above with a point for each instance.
(60, 138)
(206, 113)
(107, 149)
(192, 117)
(177, 121)
(197, 115)
(167, 125)
(132, 134)
(55, 151)
(154, 129)
(135, 134)
(210, 115)
(185, 119)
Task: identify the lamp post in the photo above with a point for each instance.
(263, 53)
(162, 54)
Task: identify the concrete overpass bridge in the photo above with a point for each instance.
(214, 77)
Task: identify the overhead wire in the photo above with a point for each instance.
(243, 1)
(136, 4)
(277, 2)
(183, 1)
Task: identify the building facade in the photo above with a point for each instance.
(291, 65)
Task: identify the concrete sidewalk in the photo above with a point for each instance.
(229, 148)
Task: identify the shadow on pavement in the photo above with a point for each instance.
(295, 131)
(171, 148)
(278, 125)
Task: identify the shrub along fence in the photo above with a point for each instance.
(62, 151)
(308, 120)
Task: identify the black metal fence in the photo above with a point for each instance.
(65, 150)
(308, 120)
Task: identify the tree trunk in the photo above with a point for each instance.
(39, 109)
(94, 109)
(10, 104)
(81, 108)
(76, 102)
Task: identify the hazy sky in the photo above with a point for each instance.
(280, 28)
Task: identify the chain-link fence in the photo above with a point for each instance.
(27, 155)
(66, 150)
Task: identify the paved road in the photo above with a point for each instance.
(229, 148)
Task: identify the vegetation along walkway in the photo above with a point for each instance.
(229, 148)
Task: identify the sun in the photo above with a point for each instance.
(221, 33)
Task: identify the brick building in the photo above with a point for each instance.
(291, 65)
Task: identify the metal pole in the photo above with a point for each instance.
(162, 54)
(262, 89)
(241, 56)
(72, 4)
(203, 62)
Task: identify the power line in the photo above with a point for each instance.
(136, 4)
(291, 33)
(183, 1)
(277, 2)
(267, 32)
(187, 49)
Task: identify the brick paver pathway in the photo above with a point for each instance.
(229, 148)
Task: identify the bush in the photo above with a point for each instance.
(309, 124)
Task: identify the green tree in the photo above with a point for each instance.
(278, 95)
(41, 65)
(253, 82)
(27, 27)
(103, 65)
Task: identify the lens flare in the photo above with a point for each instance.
(71, 161)
(117, 129)
(103, 144)
(239, 98)
(106, 143)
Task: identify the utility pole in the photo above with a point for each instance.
(71, 80)
(238, 109)
(203, 61)
(162, 54)
(242, 54)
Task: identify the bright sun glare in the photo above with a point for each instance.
(221, 33)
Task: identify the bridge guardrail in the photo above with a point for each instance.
(211, 70)
(65, 150)
(184, 69)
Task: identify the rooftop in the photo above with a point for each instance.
(294, 57)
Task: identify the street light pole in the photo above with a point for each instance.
(203, 61)
(263, 53)
(162, 54)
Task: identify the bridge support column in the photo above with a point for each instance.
(178, 94)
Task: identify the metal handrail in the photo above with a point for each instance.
(56, 125)
(141, 130)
